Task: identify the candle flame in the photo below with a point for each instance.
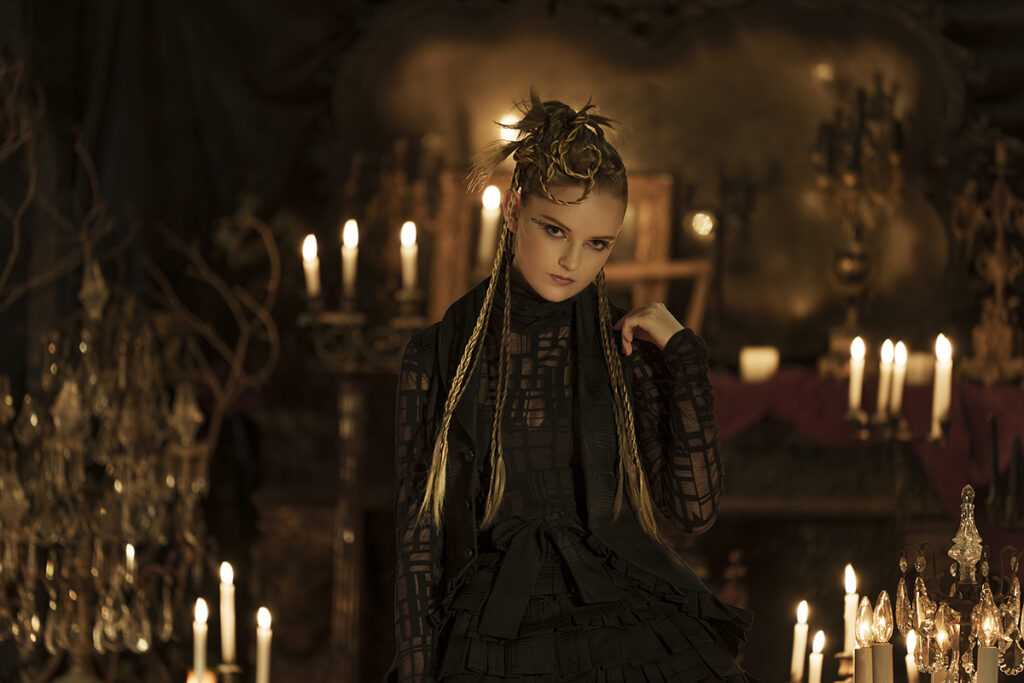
(863, 632)
(509, 134)
(350, 234)
(901, 353)
(943, 349)
(911, 642)
(309, 248)
(850, 579)
(883, 622)
(702, 223)
(408, 235)
(857, 349)
(263, 617)
(492, 197)
(801, 612)
(202, 611)
(129, 553)
(887, 351)
(819, 642)
(227, 574)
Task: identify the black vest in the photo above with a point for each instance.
(469, 438)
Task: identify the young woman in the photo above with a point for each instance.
(542, 436)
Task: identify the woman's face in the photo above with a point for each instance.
(560, 249)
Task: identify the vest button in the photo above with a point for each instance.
(469, 553)
(467, 456)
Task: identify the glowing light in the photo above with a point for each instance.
(857, 350)
(824, 72)
(492, 197)
(227, 574)
(309, 248)
(408, 235)
(350, 234)
(850, 578)
(863, 629)
(943, 349)
(202, 611)
(508, 134)
(819, 642)
(883, 621)
(900, 353)
(911, 642)
(702, 223)
(801, 612)
(263, 617)
(887, 351)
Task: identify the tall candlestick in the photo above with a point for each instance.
(912, 673)
(227, 613)
(988, 625)
(815, 659)
(942, 390)
(311, 264)
(349, 257)
(884, 379)
(409, 253)
(850, 608)
(865, 636)
(263, 634)
(199, 628)
(988, 664)
(899, 375)
(881, 651)
(489, 215)
(881, 663)
(856, 372)
(796, 666)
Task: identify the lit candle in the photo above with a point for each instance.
(208, 677)
(881, 651)
(311, 264)
(943, 384)
(129, 563)
(856, 372)
(989, 630)
(409, 252)
(796, 667)
(489, 215)
(884, 379)
(758, 363)
(899, 375)
(815, 659)
(912, 675)
(227, 613)
(849, 608)
(865, 638)
(349, 253)
(263, 634)
(199, 628)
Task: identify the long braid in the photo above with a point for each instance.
(630, 467)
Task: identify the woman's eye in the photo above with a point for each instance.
(599, 245)
(553, 230)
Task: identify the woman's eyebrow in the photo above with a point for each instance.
(565, 227)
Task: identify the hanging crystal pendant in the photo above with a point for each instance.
(904, 611)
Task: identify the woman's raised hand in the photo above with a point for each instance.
(651, 323)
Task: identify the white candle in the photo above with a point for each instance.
(881, 663)
(815, 659)
(227, 613)
(912, 674)
(884, 379)
(796, 667)
(850, 603)
(349, 254)
(865, 636)
(263, 634)
(199, 628)
(758, 363)
(856, 372)
(129, 563)
(942, 388)
(311, 264)
(862, 665)
(899, 374)
(489, 215)
(208, 677)
(409, 253)
(989, 631)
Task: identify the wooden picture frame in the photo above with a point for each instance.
(641, 266)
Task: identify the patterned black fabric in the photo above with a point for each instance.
(542, 578)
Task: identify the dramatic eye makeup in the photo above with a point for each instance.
(559, 232)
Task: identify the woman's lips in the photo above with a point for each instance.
(561, 280)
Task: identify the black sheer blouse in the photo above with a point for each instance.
(676, 434)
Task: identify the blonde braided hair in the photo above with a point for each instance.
(557, 147)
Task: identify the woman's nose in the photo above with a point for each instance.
(570, 258)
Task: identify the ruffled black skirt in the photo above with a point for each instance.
(654, 632)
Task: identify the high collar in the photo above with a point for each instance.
(529, 308)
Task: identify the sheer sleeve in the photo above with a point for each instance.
(675, 427)
(418, 554)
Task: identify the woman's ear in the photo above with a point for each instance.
(511, 205)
